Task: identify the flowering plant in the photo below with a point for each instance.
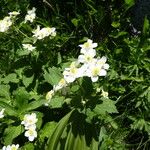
(72, 79)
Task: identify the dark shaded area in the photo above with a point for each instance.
(139, 11)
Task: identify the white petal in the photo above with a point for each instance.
(81, 58)
(31, 138)
(69, 79)
(89, 41)
(91, 52)
(106, 66)
(83, 51)
(94, 79)
(103, 59)
(94, 45)
(102, 72)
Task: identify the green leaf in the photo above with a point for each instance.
(115, 24)
(8, 109)
(57, 102)
(28, 146)
(22, 52)
(145, 26)
(75, 22)
(27, 80)
(35, 104)
(55, 137)
(4, 91)
(12, 132)
(107, 106)
(53, 75)
(11, 78)
(102, 133)
(59, 58)
(75, 88)
(130, 2)
(47, 130)
(21, 97)
(40, 120)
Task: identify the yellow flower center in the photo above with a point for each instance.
(73, 70)
(86, 45)
(88, 58)
(13, 148)
(62, 81)
(95, 71)
(30, 132)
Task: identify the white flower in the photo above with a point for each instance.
(2, 113)
(29, 120)
(11, 147)
(4, 148)
(102, 63)
(14, 13)
(49, 96)
(31, 133)
(30, 15)
(88, 46)
(62, 83)
(95, 71)
(104, 94)
(28, 47)
(44, 32)
(70, 74)
(86, 58)
(5, 24)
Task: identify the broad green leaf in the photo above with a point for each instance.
(8, 109)
(21, 97)
(55, 137)
(57, 102)
(106, 106)
(28, 146)
(27, 80)
(102, 133)
(75, 88)
(52, 76)
(12, 132)
(23, 52)
(4, 91)
(11, 78)
(70, 140)
(35, 104)
(47, 130)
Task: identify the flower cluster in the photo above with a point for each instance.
(30, 15)
(11, 147)
(7, 21)
(37, 33)
(2, 113)
(29, 47)
(44, 32)
(86, 65)
(29, 121)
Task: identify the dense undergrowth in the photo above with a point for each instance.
(70, 92)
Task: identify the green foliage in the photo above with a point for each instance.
(118, 121)
(69, 134)
(11, 132)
